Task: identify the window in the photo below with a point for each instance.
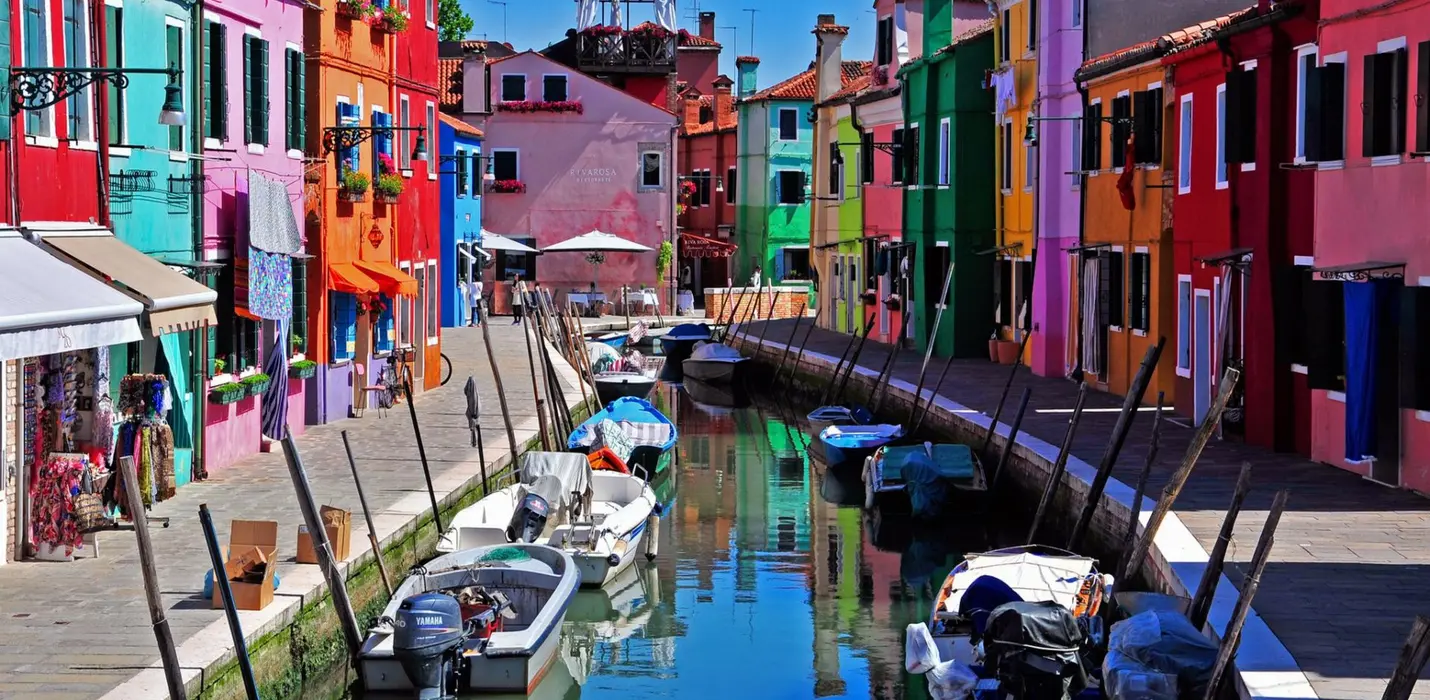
(1024, 270)
(839, 188)
(299, 326)
(1383, 129)
(911, 156)
(1184, 152)
(431, 134)
(1004, 272)
(789, 124)
(884, 42)
(703, 187)
(505, 164)
(866, 158)
(297, 93)
(1030, 165)
(1032, 20)
(1147, 125)
(382, 331)
(461, 173)
(1326, 116)
(350, 158)
(1076, 13)
(432, 295)
(1116, 265)
(1415, 301)
(174, 42)
(796, 263)
(404, 313)
(896, 168)
(523, 264)
(1139, 301)
(730, 186)
(114, 58)
(1422, 90)
(215, 82)
(553, 88)
(431, 17)
(404, 119)
(36, 36)
(653, 172)
(1121, 129)
(76, 16)
(1006, 178)
(1005, 36)
(381, 142)
(1077, 147)
(255, 90)
(1184, 325)
(835, 157)
(1241, 115)
(1221, 156)
(1092, 138)
(476, 174)
(513, 87)
(237, 339)
(342, 316)
(1291, 313)
(945, 150)
(1305, 65)
(790, 187)
(1325, 318)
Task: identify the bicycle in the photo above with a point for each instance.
(446, 369)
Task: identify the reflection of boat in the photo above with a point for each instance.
(621, 609)
(851, 414)
(715, 363)
(615, 340)
(635, 429)
(608, 538)
(613, 385)
(551, 486)
(719, 396)
(680, 340)
(847, 446)
(926, 479)
(487, 617)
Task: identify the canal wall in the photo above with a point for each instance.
(1176, 562)
(296, 643)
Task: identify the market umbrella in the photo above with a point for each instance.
(274, 410)
(493, 241)
(596, 243)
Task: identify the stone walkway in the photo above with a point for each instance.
(1351, 565)
(78, 630)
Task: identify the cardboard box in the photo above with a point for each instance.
(251, 544)
(339, 525)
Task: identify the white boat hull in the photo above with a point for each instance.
(513, 674)
(622, 508)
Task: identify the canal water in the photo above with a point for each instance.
(771, 581)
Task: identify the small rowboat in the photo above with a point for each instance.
(847, 446)
(928, 480)
(613, 385)
(634, 429)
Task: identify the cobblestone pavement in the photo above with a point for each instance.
(76, 630)
(1351, 565)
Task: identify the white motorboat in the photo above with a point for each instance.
(623, 514)
(482, 620)
(551, 488)
(714, 363)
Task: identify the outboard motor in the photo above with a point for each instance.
(427, 642)
(1033, 650)
(530, 517)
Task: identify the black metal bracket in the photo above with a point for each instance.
(131, 181)
(341, 138)
(33, 88)
(187, 184)
(878, 146)
(1363, 272)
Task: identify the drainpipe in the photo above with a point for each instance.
(199, 342)
(858, 125)
(1074, 371)
(672, 274)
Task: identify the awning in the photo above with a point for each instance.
(1362, 271)
(47, 306)
(174, 302)
(344, 277)
(392, 281)
(1235, 256)
(693, 246)
(1001, 250)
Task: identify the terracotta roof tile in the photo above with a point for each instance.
(831, 28)
(687, 39)
(747, 59)
(802, 85)
(449, 81)
(1171, 41)
(459, 125)
(851, 88)
(722, 122)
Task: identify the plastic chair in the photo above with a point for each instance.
(367, 390)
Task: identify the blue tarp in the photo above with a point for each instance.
(856, 436)
(854, 414)
(625, 409)
(689, 331)
(931, 479)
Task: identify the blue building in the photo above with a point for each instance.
(462, 171)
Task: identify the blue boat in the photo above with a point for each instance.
(847, 446)
(634, 429)
(615, 340)
(927, 480)
(848, 414)
(680, 341)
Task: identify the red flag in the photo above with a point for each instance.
(1124, 181)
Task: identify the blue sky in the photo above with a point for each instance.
(782, 29)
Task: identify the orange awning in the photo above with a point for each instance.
(344, 277)
(392, 281)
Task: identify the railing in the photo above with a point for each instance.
(627, 52)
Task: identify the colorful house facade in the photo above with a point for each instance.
(1015, 84)
(709, 182)
(463, 178)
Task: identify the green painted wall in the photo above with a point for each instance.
(763, 226)
(961, 216)
(851, 218)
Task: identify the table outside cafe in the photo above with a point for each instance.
(595, 244)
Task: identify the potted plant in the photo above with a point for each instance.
(870, 296)
(255, 384)
(354, 186)
(507, 186)
(894, 303)
(387, 188)
(355, 9)
(223, 394)
(392, 19)
(303, 369)
(219, 366)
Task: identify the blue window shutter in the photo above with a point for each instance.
(384, 327)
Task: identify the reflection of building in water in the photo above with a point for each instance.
(833, 583)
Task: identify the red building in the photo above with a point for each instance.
(1244, 221)
(706, 161)
(697, 61)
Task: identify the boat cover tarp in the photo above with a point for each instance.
(1147, 651)
(689, 331)
(843, 415)
(982, 597)
(1035, 577)
(856, 436)
(597, 351)
(1038, 643)
(716, 352)
(640, 421)
(571, 469)
(932, 473)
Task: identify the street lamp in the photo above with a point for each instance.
(488, 174)
(40, 87)
(340, 138)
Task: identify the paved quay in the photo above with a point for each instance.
(72, 631)
(1351, 565)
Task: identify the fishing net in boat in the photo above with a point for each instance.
(506, 554)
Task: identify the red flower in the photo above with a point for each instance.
(508, 186)
(530, 106)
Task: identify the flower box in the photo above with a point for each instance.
(225, 394)
(869, 297)
(385, 198)
(531, 106)
(303, 369)
(357, 9)
(507, 187)
(894, 303)
(352, 195)
(255, 384)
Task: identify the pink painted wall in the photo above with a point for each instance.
(581, 173)
(297, 407)
(231, 432)
(1388, 200)
(884, 214)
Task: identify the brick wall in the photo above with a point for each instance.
(748, 304)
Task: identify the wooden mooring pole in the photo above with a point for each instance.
(1413, 655)
(769, 318)
(168, 653)
(1231, 639)
(1003, 398)
(838, 366)
(235, 627)
(888, 370)
(1012, 437)
(1055, 476)
(501, 391)
(1125, 551)
(421, 446)
(527, 326)
(367, 516)
(933, 340)
(1202, 600)
(854, 361)
(789, 344)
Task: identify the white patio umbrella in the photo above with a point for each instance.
(597, 241)
(493, 241)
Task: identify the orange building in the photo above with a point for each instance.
(363, 309)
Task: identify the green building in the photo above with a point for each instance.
(948, 207)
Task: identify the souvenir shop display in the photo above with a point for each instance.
(146, 436)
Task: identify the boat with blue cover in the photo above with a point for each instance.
(634, 429)
(845, 414)
(928, 480)
(680, 341)
(847, 446)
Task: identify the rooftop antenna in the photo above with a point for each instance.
(752, 12)
(503, 16)
(735, 44)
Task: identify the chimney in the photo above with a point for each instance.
(745, 67)
(707, 25)
(476, 83)
(829, 59)
(692, 110)
(722, 97)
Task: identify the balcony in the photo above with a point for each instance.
(627, 52)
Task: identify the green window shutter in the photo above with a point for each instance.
(210, 118)
(289, 92)
(174, 40)
(247, 89)
(260, 127)
(300, 111)
(219, 93)
(5, 65)
(114, 33)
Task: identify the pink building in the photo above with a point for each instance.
(571, 154)
(1369, 363)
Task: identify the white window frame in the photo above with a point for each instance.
(50, 140)
(1343, 59)
(779, 191)
(431, 8)
(404, 119)
(544, 76)
(501, 87)
(1249, 167)
(293, 153)
(1075, 126)
(91, 143)
(1185, 295)
(1186, 116)
(1076, 14)
(432, 138)
(640, 182)
(1030, 20)
(1301, 53)
(123, 136)
(1030, 165)
(1005, 178)
(404, 312)
(433, 307)
(945, 150)
(492, 153)
(1221, 175)
(779, 121)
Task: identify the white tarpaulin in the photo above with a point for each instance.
(665, 14)
(587, 14)
(718, 352)
(901, 33)
(1033, 577)
(571, 469)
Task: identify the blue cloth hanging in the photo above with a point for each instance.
(274, 409)
(1361, 330)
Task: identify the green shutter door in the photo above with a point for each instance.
(219, 94)
(299, 117)
(247, 89)
(5, 65)
(260, 127)
(210, 120)
(175, 42)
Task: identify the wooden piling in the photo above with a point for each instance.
(225, 591)
(526, 330)
(1125, 418)
(727, 313)
(854, 361)
(799, 355)
(1003, 398)
(1012, 438)
(838, 366)
(501, 391)
(1055, 476)
(163, 635)
(887, 372)
(367, 516)
(421, 446)
(1231, 638)
(933, 339)
(1216, 561)
(1179, 478)
(789, 344)
(1413, 655)
(769, 318)
(1125, 551)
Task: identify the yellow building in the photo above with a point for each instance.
(1015, 86)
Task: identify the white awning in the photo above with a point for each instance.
(47, 306)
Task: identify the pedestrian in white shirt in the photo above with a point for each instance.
(474, 291)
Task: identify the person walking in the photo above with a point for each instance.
(518, 299)
(474, 291)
